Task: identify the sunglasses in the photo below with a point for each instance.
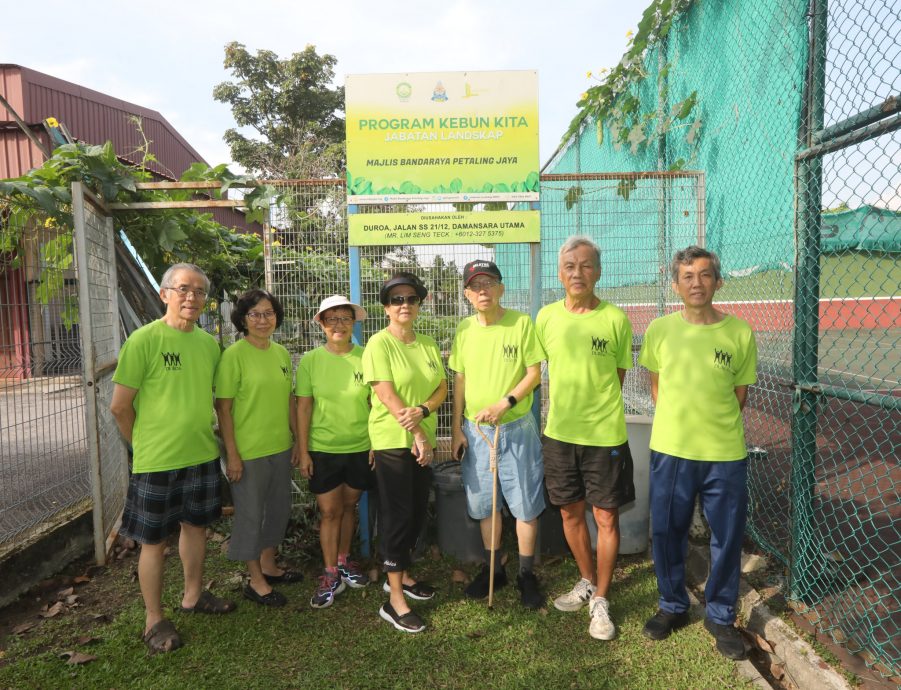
(397, 300)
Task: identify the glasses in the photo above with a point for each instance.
(479, 285)
(260, 315)
(335, 320)
(397, 300)
(184, 291)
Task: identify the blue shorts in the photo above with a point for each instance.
(520, 469)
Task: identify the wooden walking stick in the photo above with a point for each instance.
(492, 465)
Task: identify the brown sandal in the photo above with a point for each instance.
(208, 603)
(162, 637)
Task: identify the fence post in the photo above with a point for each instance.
(92, 431)
(805, 558)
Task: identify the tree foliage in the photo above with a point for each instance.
(291, 106)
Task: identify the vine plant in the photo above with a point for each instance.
(232, 260)
(613, 102)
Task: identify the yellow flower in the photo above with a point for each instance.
(629, 33)
(584, 95)
(588, 74)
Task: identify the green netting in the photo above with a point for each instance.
(799, 192)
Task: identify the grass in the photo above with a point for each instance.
(348, 646)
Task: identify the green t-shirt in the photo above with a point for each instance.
(173, 373)
(698, 366)
(493, 359)
(339, 423)
(259, 383)
(415, 370)
(584, 352)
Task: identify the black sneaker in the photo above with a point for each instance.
(478, 588)
(729, 641)
(529, 593)
(662, 624)
(409, 622)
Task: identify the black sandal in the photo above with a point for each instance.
(162, 638)
(274, 599)
(208, 603)
(288, 577)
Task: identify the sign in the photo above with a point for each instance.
(442, 137)
(485, 227)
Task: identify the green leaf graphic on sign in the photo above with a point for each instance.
(532, 181)
(501, 187)
(408, 187)
(456, 185)
(487, 187)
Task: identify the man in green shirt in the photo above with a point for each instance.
(588, 343)
(701, 362)
(497, 360)
(163, 405)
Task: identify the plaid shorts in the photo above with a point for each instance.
(158, 501)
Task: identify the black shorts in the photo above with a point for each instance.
(599, 474)
(331, 470)
(158, 501)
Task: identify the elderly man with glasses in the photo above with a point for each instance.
(497, 359)
(163, 405)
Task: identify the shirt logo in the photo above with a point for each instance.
(511, 353)
(433, 366)
(599, 345)
(171, 360)
(358, 378)
(286, 372)
(722, 359)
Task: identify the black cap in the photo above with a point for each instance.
(480, 268)
(402, 278)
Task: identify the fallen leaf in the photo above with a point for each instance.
(98, 616)
(543, 611)
(475, 634)
(78, 657)
(777, 671)
(52, 611)
(759, 641)
(71, 599)
(81, 579)
(87, 639)
(63, 593)
(218, 538)
(23, 627)
(209, 584)
(458, 576)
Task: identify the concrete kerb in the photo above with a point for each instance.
(803, 666)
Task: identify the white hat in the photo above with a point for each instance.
(340, 301)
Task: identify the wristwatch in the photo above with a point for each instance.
(511, 400)
(425, 410)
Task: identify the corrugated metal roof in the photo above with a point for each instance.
(94, 117)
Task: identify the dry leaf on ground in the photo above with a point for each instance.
(78, 657)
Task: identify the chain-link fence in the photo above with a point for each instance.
(796, 129)
(44, 476)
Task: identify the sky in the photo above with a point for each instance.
(168, 56)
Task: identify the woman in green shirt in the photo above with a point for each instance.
(407, 376)
(255, 406)
(333, 441)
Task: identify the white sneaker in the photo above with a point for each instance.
(575, 598)
(601, 627)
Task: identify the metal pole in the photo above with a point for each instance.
(87, 364)
(805, 557)
(534, 307)
(662, 114)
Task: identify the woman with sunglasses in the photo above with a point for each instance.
(407, 376)
(333, 441)
(255, 406)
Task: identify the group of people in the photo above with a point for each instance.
(358, 418)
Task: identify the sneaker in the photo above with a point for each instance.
(728, 638)
(577, 597)
(662, 624)
(529, 594)
(601, 627)
(329, 587)
(418, 590)
(352, 575)
(409, 622)
(478, 588)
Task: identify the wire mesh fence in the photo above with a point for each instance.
(800, 148)
(43, 449)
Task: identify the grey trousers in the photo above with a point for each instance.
(262, 506)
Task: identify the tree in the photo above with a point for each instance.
(292, 107)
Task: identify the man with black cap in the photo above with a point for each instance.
(497, 359)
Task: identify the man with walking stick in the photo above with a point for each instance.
(496, 358)
(588, 343)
